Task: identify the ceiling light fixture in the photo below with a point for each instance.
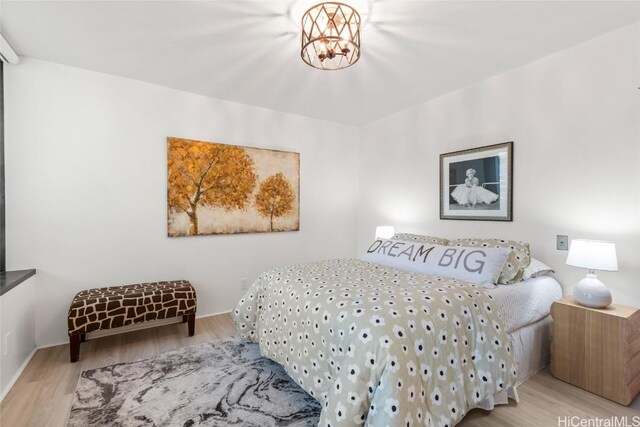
(330, 36)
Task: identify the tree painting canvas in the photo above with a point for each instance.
(216, 188)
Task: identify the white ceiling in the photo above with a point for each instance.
(248, 51)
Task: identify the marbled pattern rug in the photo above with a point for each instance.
(225, 383)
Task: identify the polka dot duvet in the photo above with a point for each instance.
(379, 346)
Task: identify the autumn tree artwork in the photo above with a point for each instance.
(217, 188)
(275, 198)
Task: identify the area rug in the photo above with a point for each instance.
(225, 383)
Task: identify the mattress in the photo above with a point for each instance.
(526, 302)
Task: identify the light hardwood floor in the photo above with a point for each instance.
(42, 395)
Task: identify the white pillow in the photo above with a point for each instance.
(472, 264)
(536, 268)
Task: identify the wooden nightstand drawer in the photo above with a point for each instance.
(597, 349)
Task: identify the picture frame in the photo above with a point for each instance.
(215, 188)
(477, 184)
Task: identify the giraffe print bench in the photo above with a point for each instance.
(114, 307)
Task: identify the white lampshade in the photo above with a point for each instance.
(593, 255)
(385, 232)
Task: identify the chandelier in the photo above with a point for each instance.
(330, 36)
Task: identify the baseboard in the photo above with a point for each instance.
(55, 344)
(213, 314)
(18, 373)
(130, 328)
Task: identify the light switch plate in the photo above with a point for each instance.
(562, 242)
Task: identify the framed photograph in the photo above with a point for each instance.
(476, 184)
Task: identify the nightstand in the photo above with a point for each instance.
(597, 349)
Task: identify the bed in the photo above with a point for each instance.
(379, 345)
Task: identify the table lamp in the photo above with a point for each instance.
(592, 255)
(385, 232)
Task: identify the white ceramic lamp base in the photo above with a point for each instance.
(591, 292)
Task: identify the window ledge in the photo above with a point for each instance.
(11, 279)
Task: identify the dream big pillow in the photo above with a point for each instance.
(475, 265)
(519, 257)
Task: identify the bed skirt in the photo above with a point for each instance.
(531, 348)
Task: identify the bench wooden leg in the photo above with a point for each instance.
(191, 323)
(185, 317)
(74, 347)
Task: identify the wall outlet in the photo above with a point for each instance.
(244, 283)
(7, 343)
(562, 243)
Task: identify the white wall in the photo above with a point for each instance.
(17, 316)
(86, 188)
(86, 174)
(574, 118)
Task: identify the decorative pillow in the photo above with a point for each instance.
(518, 259)
(537, 268)
(475, 265)
(408, 237)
